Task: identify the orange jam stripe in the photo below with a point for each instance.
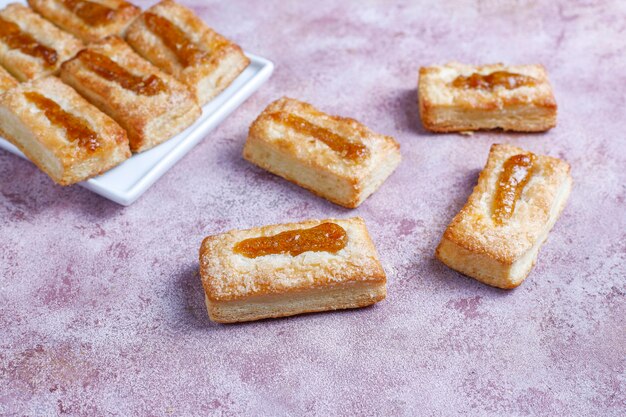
(508, 80)
(516, 173)
(346, 148)
(76, 128)
(112, 71)
(90, 12)
(177, 41)
(15, 38)
(326, 237)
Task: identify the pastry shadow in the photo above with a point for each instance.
(192, 311)
(32, 194)
(410, 116)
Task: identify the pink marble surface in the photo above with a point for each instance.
(101, 308)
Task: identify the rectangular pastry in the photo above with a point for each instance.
(496, 237)
(30, 46)
(6, 80)
(152, 106)
(89, 20)
(457, 98)
(60, 132)
(174, 39)
(334, 157)
(287, 269)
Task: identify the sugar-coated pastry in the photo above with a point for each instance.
(496, 237)
(88, 20)
(151, 105)
(30, 46)
(334, 157)
(6, 80)
(457, 98)
(60, 132)
(287, 269)
(176, 40)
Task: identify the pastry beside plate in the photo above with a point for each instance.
(496, 236)
(287, 269)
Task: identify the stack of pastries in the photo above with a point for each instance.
(85, 83)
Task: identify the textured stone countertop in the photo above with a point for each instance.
(101, 307)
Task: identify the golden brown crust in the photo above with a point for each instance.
(55, 11)
(207, 78)
(311, 163)
(228, 276)
(148, 119)
(6, 80)
(48, 145)
(502, 255)
(444, 108)
(23, 66)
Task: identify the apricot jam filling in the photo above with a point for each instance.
(15, 38)
(344, 147)
(506, 79)
(77, 129)
(92, 13)
(515, 174)
(326, 237)
(186, 51)
(110, 70)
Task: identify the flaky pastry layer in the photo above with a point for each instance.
(24, 66)
(502, 255)
(445, 108)
(48, 145)
(148, 119)
(121, 15)
(207, 78)
(311, 163)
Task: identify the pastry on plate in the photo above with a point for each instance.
(60, 132)
(151, 105)
(174, 39)
(89, 20)
(6, 80)
(287, 269)
(334, 157)
(30, 46)
(496, 236)
(459, 98)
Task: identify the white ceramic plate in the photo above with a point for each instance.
(127, 182)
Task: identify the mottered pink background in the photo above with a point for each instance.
(101, 307)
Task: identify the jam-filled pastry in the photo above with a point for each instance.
(89, 20)
(174, 39)
(60, 132)
(458, 98)
(30, 46)
(151, 105)
(496, 237)
(334, 157)
(6, 80)
(287, 269)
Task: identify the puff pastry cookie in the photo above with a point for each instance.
(89, 20)
(152, 106)
(288, 269)
(30, 46)
(59, 131)
(174, 39)
(6, 80)
(496, 237)
(334, 157)
(457, 97)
